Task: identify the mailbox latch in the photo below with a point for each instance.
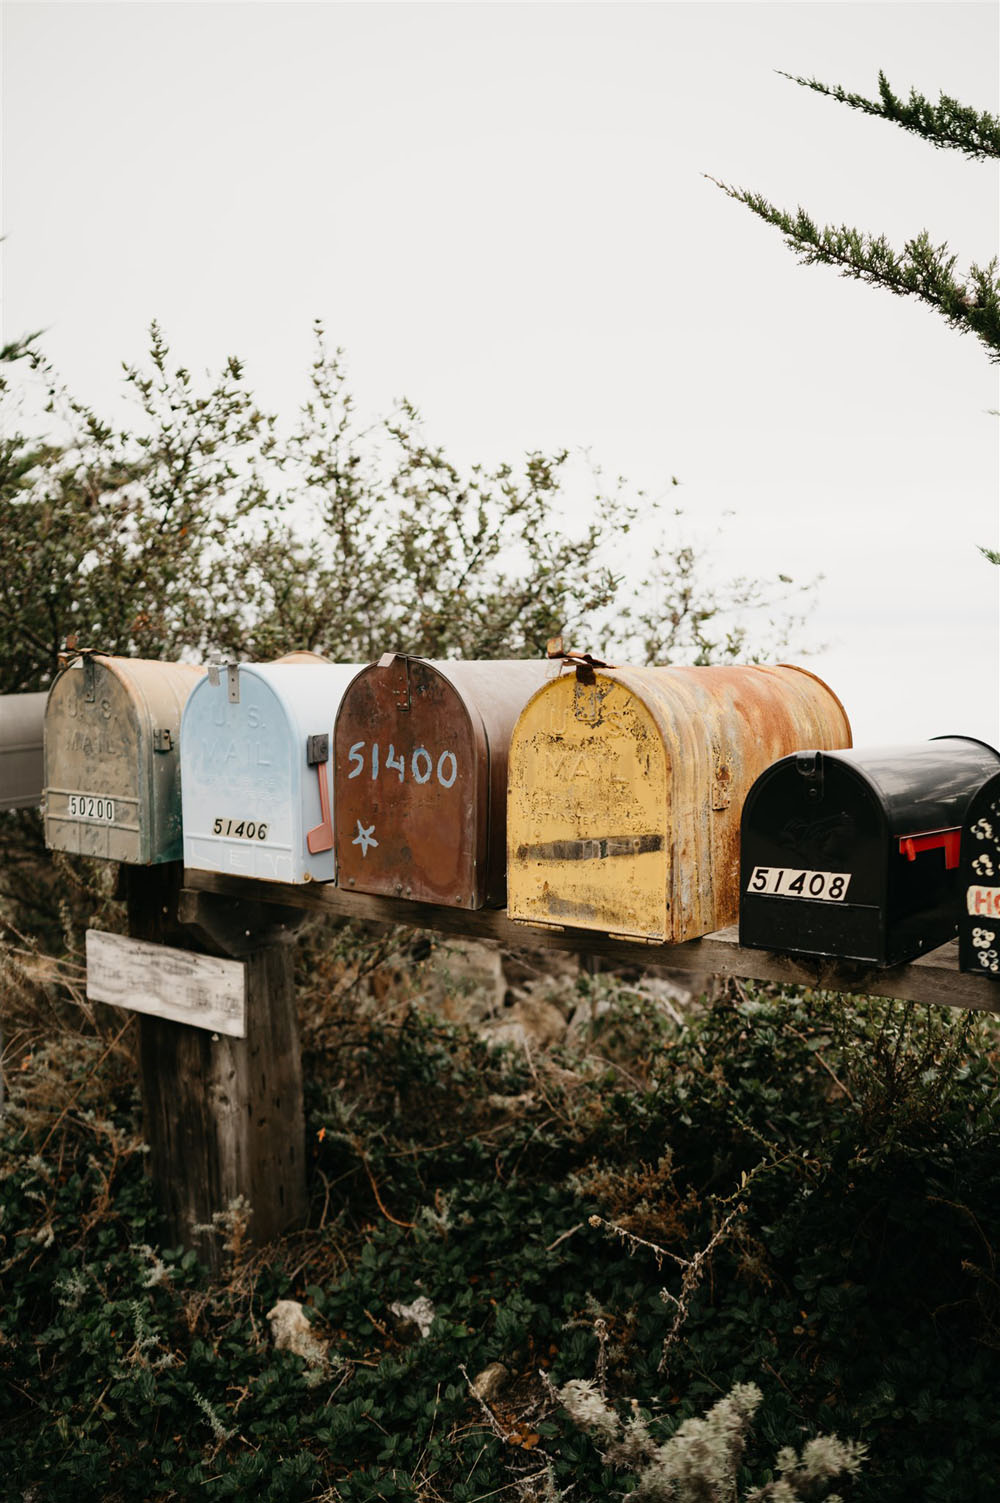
(317, 749)
(162, 741)
(89, 681)
(809, 765)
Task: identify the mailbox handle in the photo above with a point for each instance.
(583, 662)
(932, 840)
(320, 838)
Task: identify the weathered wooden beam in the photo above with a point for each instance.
(223, 1116)
(934, 978)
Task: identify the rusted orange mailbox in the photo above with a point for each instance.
(626, 787)
(420, 777)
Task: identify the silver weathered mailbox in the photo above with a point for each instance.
(22, 717)
(112, 758)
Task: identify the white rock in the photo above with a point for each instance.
(291, 1332)
(420, 1314)
(532, 1021)
(488, 1384)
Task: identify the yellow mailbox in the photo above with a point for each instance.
(625, 789)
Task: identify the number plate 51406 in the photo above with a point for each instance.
(788, 882)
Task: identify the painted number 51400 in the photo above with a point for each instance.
(421, 767)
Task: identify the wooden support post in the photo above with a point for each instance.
(223, 1116)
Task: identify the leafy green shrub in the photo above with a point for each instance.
(853, 1284)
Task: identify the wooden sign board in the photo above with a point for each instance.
(197, 989)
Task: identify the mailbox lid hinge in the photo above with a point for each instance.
(232, 679)
(401, 663)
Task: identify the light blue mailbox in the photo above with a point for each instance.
(255, 769)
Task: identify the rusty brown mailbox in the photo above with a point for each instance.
(112, 758)
(626, 786)
(420, 777)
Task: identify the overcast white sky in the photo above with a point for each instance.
(500, 211)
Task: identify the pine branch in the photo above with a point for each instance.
(946, 124)
(921, 270)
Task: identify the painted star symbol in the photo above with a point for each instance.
(365, 837)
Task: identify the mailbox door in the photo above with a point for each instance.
(813, 861)
(22, 720)
(257, 783)
(411, 787)
(979, 884)
(626, 786)
(112, 761)
(242, 781)
(97, 792)
(589, 810)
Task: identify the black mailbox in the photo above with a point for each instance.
(979, 904)
(855, 854)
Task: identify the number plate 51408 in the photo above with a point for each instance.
(788, 882)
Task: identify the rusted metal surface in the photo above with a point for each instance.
(112, 758)
(22, 718)
(626, 786)
(420, 777)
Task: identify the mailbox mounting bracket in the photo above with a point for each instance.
(232, 679)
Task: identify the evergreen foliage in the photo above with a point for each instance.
(975, 133)
(969, 301)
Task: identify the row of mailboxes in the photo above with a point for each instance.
(586, 796)
(395, 776)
